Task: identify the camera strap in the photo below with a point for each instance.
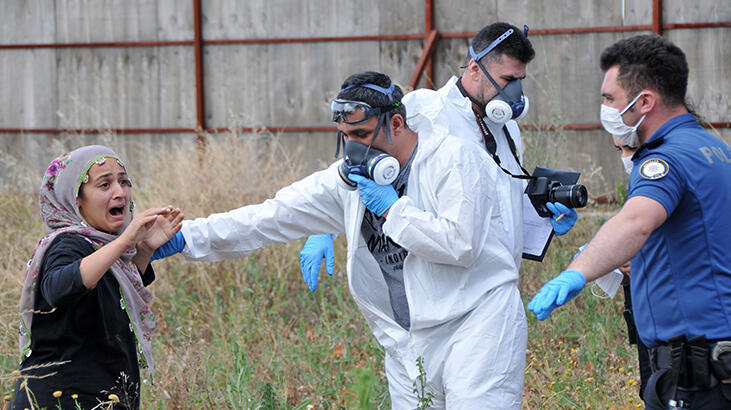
(491, 146)
(489, 139)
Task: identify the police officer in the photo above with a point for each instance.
(675, 226)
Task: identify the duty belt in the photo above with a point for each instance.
(696, 363)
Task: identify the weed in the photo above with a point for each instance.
(621, 193)
(425, 398)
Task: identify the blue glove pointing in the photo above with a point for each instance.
(556, 292)
(377, 198)
(176, 244)
(566, 222)
(316, 248)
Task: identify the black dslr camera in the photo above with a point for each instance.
(541, 190)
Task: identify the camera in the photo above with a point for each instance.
(541, 190)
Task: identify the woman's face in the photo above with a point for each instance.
(104, 198)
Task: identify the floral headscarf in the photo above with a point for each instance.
(60, 212)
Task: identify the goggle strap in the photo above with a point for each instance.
(385, 91)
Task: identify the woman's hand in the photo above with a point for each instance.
(138, 229)
(164, 227)
(94, 266)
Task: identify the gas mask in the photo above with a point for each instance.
(628, 164)
(363, 159)
(368, 162)
(509, 103)
(612, 122)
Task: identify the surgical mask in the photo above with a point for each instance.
(369, 162)
(612, 122)
(627, 162)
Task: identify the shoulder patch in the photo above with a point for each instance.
(654, 168)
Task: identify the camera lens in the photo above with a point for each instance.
(573, 196)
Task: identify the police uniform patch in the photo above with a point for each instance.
(654, 168)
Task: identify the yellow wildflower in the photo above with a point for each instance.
(74, 396)
(114, 398)
(630, 382)
(57, 394)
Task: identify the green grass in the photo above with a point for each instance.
(248, 333)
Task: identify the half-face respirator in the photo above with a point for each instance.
(359, 158)
(510, 103)
(369, 162)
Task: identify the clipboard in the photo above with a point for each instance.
(538, 231)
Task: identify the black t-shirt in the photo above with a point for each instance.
(390, 255)
(89, 328)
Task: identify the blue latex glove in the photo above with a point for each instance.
(317, 248)
(176, 244)
(567, 221)
(377, 198)
(556, 292)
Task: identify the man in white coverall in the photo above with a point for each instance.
(481, 106)
(436, 277)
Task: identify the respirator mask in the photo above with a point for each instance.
(509, 103)
(359, 158)
(369, 162)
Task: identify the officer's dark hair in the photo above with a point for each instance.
(516, 45)
(649, 61)
(370, 96)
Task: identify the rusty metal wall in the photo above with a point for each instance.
(289, 84)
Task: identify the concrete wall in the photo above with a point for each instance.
(291, 84)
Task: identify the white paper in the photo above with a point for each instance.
(536, 229)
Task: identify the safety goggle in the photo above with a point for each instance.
(343, 109)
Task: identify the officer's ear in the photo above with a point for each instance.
(647, 101)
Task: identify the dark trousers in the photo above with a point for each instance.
(643, 355)
(661, 388)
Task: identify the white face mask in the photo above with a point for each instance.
(612, 121)
(627, 162)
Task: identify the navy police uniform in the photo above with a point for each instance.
(681, 278)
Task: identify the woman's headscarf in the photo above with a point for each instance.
(60, 212)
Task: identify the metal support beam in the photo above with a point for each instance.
(199, 90)
(426, 53)
(428, 27)
(276, 129)
(657, 17)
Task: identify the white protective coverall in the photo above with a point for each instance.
(460, 278)
(448, 107)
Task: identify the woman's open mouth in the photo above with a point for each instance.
(117, 212)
